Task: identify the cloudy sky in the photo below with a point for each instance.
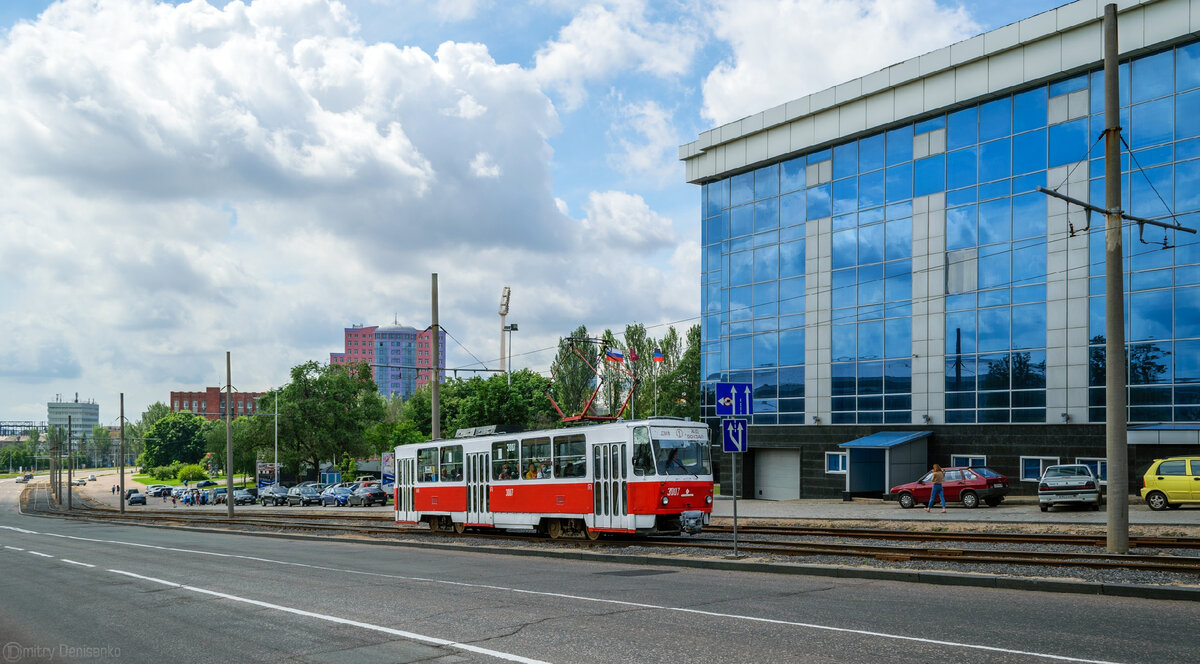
(178, 179)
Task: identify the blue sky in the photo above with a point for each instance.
(182, 179)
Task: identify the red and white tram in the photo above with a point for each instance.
(647, 476)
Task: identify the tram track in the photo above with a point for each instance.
(382, 527)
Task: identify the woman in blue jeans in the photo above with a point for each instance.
(938, 478)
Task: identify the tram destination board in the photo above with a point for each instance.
(734, 399)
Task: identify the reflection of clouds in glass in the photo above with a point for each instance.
(960, 227)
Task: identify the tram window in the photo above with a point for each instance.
(570, 455)
(427, 462)
(535, 458)
(506, 462)
(452, 469)
(643, 457)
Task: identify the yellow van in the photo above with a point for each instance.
(1172, 482)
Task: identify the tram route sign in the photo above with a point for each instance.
(734, 434)
(734, 399)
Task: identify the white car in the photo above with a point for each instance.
(1069, 484)
(78, 481)
(91, 478)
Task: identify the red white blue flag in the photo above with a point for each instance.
(613, 355)
(658, 356)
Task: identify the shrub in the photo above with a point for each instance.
(192, 472)
(162, 473)
(175, 468)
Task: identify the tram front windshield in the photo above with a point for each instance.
(673, 456)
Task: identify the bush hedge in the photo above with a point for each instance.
(192, 472)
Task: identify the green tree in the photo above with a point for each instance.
(102, 444)
(178, 436)
(639, 351)
(612, 391)
(325, 411)
(574, 377)
(679, 389)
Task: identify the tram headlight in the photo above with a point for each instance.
(664, 500)
(708, 499)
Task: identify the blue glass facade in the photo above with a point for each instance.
(984, 162)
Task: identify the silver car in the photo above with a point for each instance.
(1069, 484)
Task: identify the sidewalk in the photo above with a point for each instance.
(1016, 509)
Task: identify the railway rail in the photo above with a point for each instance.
(713, 542)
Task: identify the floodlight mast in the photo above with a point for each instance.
(504, 296)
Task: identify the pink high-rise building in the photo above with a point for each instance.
(360, 347)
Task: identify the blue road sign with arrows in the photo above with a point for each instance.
(735, 399)
(734, 432)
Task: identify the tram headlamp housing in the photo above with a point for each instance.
(664, 500)
(708, 499)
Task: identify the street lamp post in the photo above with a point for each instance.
(512, 327)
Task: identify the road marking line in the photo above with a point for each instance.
(412, 636)
(44, 555)
(14, 548)
(67, 560)
(599, 600)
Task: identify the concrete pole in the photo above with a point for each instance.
(1114, 348)
(228, 438)
(436, 375)
(70, 463)
(121, 470)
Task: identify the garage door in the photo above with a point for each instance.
(777, 474)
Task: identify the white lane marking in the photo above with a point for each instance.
(600, 600)
(412, 636)
(14, 548)
(44, 555)
(68, 560)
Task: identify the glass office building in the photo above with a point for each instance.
(877, 257)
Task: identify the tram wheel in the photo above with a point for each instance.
(554, 529)
(459, 527)
(433, 524)
(592, 535)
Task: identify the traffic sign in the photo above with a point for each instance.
(734, 432)
(735, 399)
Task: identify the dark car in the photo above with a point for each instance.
(129, 493)
(252, 490)
(137, 498)
(970, 485)
(242, 497)
(367, 496)
(273, 495)
(205, 483)
(336, 495)
(303, 495)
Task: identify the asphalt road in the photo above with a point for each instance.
(76, 591)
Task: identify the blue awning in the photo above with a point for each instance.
(1168, 426)
(885, 439)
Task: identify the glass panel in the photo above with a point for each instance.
(1029, 326)
(741, 189)
(900, 145)
(994, 268)
(766, 263)
(870, 284)
(898, 378)
(995, 221)
(960, 376)
(870, 378)
(899, 183)
(995, 160)
(818, 203)
(1149, 363)
(741, 268)
(960, 332)
(766, 182)
(845, 160)
(993, 329)
(870, 189)
(995, 119)
(1029, 370)
(871, 153)
(843, 379)
(1068, 142)
(1029, 265)
(505, 460)
(1029, 110)
(845, 248)
(1029, 152)
(1029, 215)
(1150, 315)
(765, 349)
(870, 244)
(961, 227)
(1152, 76)
(962, 168)
(993, 372)
(870, 340)
(791, 175)
(962, 128)
(898, 239)
(741, 220)
(929, 175)
(569, 456)
(845, 339)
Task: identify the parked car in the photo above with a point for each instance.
(969, 485)
(242, 497)
(273, 495)
(336, 495)
(252, 490)
(217, 496)
(1171, 482)
(367, 496)
(205, 483)
(91, 478)
(78, 481)
(157, 490)
(1069, 484)
(129, 493)
(303, 495)
(179, 491)
(137, 499)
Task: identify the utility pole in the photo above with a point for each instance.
(70, 463)
(276, 469)
(437, 373)
(228, 438)
(121, 470)
(1116, 445)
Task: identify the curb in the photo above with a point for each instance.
(874, 574)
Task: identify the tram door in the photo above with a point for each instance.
(406, 472)
(479, 508)
(609, 485)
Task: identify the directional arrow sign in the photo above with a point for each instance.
(734, 434)
(735, 399)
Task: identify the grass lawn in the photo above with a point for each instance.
(237, 484)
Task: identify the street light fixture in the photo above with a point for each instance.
(510, 328)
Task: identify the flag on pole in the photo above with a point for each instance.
(658, 356)
(613, 355)
(632, 355)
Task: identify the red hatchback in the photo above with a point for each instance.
(969, 485)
